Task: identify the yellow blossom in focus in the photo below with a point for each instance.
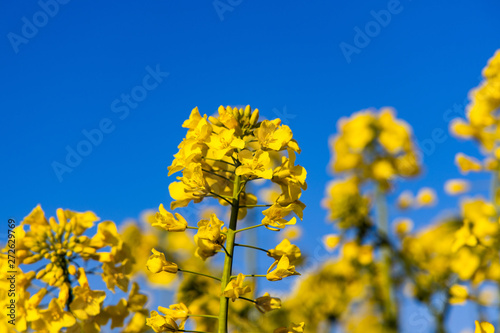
(161, 323)
(55, 318)
(235, 288)
(176, 311)
(274, 216)
(192, 186)
(224, 143)
(256, 165)
(271, 135)
(157, 263)
(285, 248)
(86, 302)
(209, 237)
(166, 220)
(282, 269)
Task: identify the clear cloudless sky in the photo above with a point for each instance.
(65, 74)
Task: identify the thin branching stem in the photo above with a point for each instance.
(252, 247)
(201, 274)
(216, 174)
(221, 197)
(248, 228)
(248, 299)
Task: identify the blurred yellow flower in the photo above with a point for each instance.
(456, 186)
(267, 303)
(403, 226)
(331, 241)
(467, 164)
(292, 232)
(458, 294)
(426, 197)
(405, 200)
(293, 328)
(484, 327)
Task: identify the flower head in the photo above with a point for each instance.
(157, 263)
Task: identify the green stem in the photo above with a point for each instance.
(217, 175)
(254, 206)
(213, 159)
(201, 274)
(203, 316)
(188, 227)
(221, 197)
(248, 299)
(495, 182)
(67, 281)
(388, 295)
(228, 261)
(251, 247)
(249, 275)
(248, 228)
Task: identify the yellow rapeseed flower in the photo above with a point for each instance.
(293, 328)
(235, 288)
(467, 164)
(458, 294)
(331, 241)
(157, 263)
(209, 237)
(285, 248)
(282, 269)
(166, 220)
(484, 327)
(456, 186)
(426, 197)
(267, 303)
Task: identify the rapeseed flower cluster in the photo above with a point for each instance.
(218, 158)
(55, 294)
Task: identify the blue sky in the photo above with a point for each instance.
(70, 72)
